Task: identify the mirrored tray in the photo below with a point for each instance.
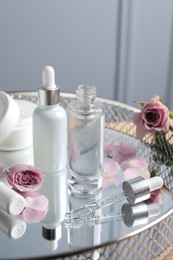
(112, 240)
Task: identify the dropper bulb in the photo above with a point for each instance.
(48, 78)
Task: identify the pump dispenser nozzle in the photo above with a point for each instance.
(49, 92)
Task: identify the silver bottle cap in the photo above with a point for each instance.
(138, 189)
(139, 214)
(49, 93)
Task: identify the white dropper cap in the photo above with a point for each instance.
(49, 92)
(154, 183)
(153, 210)
(48, 78)
(52, 245)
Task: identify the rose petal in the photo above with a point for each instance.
(136, 162)
(131, 173)
(111, 167)
(110, 174)
(108, 148)
(155, 99)
(32, 215)
(140, 130)
(110, 181)
(40, 202)
(122, 152)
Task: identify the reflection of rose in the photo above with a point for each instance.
(74, 152)
(154, 116)
(1, 170)
(25, 177)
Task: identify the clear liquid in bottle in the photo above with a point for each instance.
(85, 135)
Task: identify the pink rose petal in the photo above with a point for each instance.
(110, 174)
(155, 99)
(131, 173)
(35, 200)
(111, 167)
(36, 207)
(32, 215)
(108, 148)
(136, 162)
(140, 130)
(122, 152)
(40, 202)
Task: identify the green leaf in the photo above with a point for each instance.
(162, 100)
(141, 104)
(153, 173)
(171, 114)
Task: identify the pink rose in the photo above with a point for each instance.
(36, 207)
(154, 116)
(25, 177)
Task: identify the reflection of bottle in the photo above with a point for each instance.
(84, 236)
(12, 226)
(55, 189)
(49, 127)
(132, 215)
(86, 134)
(52, 236)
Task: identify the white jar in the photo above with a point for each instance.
(15, 123)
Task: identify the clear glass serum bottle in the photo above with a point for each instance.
(85, 142)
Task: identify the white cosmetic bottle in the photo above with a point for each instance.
(49, 127)
(12, 226)
(10, 201)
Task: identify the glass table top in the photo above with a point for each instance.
(66, 241)
(145, 240)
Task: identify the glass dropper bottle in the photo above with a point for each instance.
(86, 139)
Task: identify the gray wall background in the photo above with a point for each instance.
(123, 47)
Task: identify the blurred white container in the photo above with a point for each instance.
(15, 123)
